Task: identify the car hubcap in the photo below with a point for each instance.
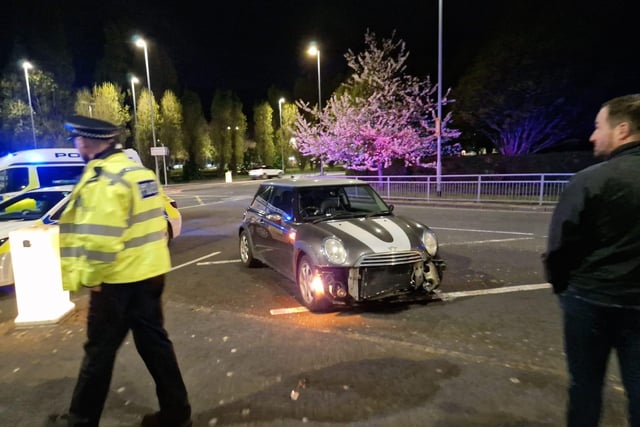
(305, 276)
(244, 249)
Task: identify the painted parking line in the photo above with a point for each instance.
(449, 296)
(195, 260)
(225, 261)
(474, 230)
(479, 242)
(290, 310)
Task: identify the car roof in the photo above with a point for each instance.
(313, 182)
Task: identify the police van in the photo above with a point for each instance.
(44, 167)
(48, 167)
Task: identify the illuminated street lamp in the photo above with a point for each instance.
(140, 42)
(314, 51)
(280, 101)
(27, 66)
(134, 80)
(439, 118)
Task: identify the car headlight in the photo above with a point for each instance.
(334, 250)
(430, 242)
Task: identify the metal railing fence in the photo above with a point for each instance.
(537, 189)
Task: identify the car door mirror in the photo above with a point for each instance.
(275, 217)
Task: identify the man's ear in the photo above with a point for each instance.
(623, 130)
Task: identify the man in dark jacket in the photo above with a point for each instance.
(593, 262)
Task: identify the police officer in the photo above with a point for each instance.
(113, 241)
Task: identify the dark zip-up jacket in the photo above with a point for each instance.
(594, 236)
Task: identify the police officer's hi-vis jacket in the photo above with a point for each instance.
(113, 229)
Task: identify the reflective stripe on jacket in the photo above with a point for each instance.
(113, 230)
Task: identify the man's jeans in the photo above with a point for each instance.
(590, 333)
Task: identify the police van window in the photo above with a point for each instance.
(13, 179)
(59, 175)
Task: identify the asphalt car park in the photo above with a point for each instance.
(488, 353)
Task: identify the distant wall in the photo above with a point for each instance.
(564, 162)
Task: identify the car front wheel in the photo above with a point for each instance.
(246, 252)
(305, 276)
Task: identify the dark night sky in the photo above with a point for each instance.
(249, 45)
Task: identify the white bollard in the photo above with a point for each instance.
(35, 257)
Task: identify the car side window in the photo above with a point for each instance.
(282, 201)
(14, 179)
(58, 175)
(261, 199)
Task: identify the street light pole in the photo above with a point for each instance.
(134, 80)
(280, 101)
(140, 42)
(439, 118)
(27, 66)
(313, 50)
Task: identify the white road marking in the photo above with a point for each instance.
(278, 311)
(482, 231)
(226, 261)
(447, 296)
(478, 242)
(195, 260)
(443, 296)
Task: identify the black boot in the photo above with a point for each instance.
(158, 420)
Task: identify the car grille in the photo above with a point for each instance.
(389, 258)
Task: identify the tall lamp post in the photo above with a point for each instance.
(439, 118)
(27, 66)
(314, 51)
(140, 42)
(134, 80)
(280, 101)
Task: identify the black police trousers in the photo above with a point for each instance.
(113, 311)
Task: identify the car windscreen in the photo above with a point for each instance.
(30, 206)
(343, 200)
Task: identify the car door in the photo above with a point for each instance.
(254, 220)
(278, 247)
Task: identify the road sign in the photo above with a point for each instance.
(159, 151)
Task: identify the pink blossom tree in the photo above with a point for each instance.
(378, 115)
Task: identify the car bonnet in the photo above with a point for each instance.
(377, 235)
